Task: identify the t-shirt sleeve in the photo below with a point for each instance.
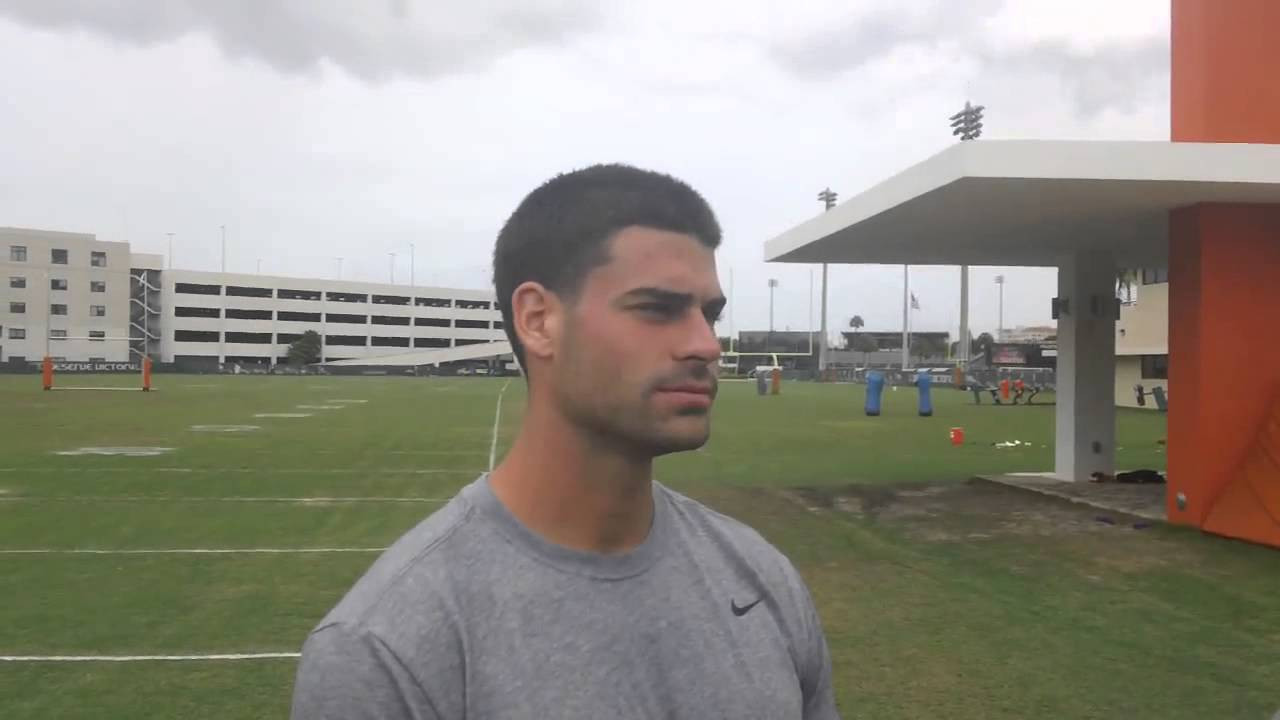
(814, 661)
(351, 674)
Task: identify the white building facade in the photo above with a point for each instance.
(199, 319)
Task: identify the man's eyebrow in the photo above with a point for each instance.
(670, 297)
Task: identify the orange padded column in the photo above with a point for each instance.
(1224, 298)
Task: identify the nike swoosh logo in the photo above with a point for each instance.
(740, 611)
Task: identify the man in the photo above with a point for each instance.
(567, 583)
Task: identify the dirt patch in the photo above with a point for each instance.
(967, 511)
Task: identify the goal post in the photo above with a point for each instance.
(53, 370)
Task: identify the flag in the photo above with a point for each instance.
(915, 304)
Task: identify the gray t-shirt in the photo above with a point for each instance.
(472, 615)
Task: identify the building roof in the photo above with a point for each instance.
(1028, 202)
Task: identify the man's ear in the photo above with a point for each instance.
(538, 316)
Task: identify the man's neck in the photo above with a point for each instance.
(574, 492)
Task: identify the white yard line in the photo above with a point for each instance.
(190, 551)
(156, 498)
(497, 418)
(259, 471)
(148, 658)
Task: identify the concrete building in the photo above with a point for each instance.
(1142, 339)
(64, 294)
(1027, 335)
(63, 286)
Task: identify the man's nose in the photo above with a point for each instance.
(699, 341)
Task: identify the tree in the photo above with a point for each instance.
(856, 323)
(922, 346)
(1125, 280)
(863, 344)
(306, 349)
(983, 343)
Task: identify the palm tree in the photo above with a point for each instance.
(856, 323)
(1125, 280)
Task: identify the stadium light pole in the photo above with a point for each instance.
(393, 268)
(1000, 326)
(773, 283)
(412, 279)
(906, 331)
(828, 199)
(170, 250)
(224, 247)
(968, 125)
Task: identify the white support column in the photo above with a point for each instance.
(1086, 409)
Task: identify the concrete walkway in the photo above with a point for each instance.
(1144, 501)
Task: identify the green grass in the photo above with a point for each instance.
(939, 598)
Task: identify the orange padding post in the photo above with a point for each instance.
(1249, 506)
(46, 369)
(146, 374)
(775, 385)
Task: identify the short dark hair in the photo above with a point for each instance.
(560, 231)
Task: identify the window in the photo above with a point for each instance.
(97, 286)
(389, 320)
(57, 334)
(342, 318)
(1155, 367)
(472, 324)
(431, 342)
(390, 300)
(57, 309)
(391, 342)
(17, 308)
(460, 343)
(17, 253)
(57, 283)
(97, 335)
(58, 257)
(248, 337)
(238, 314)
(195, 312)
(248, 291)
(17, 282)
(196, 289)
(431, 322)
(201, 336)
(356, 340)
(497, 325)
(298, 316)
(432, 302)
(284, 294)
(473, 304)
(97, 311)
(17, 333)
(288, 338)
(346, 297)
(98, 258)
(1152, 276)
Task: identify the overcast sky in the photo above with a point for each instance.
(317, 129)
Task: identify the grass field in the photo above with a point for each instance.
(940, 598)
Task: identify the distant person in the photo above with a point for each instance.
(568, 583)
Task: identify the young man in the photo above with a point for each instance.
(567, 583)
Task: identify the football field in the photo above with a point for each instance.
(163, 555)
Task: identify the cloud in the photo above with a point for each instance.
(373, 40)
(1097, 74)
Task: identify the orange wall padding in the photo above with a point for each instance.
(1224, 65)
(1224, 301)
(1249, 506)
